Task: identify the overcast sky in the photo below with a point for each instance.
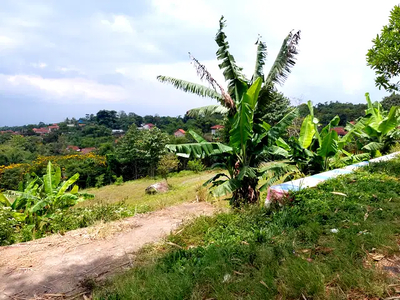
(67, 58)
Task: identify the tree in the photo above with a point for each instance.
(384, 56)
(167, 164)
(107, 118)
(389, 101)
(245, 104)
(139, 151)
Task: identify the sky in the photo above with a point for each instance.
(63, 59)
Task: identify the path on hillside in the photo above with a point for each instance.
(57, 265)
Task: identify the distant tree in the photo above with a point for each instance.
(139, 151)
(384, 56)
(276, 106)
(389, 101)
(107, 118)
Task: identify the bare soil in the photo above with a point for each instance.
(57, 267)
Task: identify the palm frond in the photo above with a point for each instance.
(209, 110)
(260, 60)
(191, 87)
(232, 73)
(284, 61)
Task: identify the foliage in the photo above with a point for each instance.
(195, 165)
(378, 130)
(316, 150)
(389, 101)
(61, 221)
(39, 198)
(139, 152)
(288, 252)
(118, 180)
(246, 104)
(167, 164)
(99, 181)
(89, 166)
(384, 56)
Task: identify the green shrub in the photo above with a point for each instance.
(195, 165)
(8, 226)
(99, 181)
(118, 180)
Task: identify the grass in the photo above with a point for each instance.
(318, 246)
(185, 186)
(110, 203)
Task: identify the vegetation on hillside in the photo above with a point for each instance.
(324, 244)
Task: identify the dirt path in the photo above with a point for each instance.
(59, 264)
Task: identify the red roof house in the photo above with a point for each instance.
(73, 148)
(216, 128)
(179, 133)
(53, 127)
(340, 131)
(43, 130)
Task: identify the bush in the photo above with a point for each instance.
(99, 181)
(118, 180)
(195, 165)
(89, 166)
(8, 226)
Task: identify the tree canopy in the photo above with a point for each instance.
(384, 56)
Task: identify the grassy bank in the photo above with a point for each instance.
(324, 244)
(110, 203)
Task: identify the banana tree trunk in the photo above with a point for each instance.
(247, 194)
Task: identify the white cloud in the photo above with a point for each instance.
(119, 23)
(7, 42)
(63, 89)
(40, 65)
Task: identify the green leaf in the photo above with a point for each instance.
(276, 131)
(246, 171)
(333, 123)
(214, 178)
(329, 145)
(4, 200)
(232, 73)
(260, 61)
(284, 61)
(191, 87)
(64, 187)
(281, 143)
(48, 179)
(373, 146)
(209, 110)
(199, 150)
(307, 132)
(226, 188)
(198, 138)
(391, 121)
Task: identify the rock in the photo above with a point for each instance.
(159, 187)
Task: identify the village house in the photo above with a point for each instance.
(179, 133)
(147, 126)
(216, 128)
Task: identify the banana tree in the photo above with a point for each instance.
(43, 196)
(245, 104)
(250, 145)
(378, 129)
(319, 150)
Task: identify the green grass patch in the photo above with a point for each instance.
(315, 247)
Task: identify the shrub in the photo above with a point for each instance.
(168, 163)
(8, 226)
(89, 166)
(118, 180)
(195, 165)
(99, 181)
